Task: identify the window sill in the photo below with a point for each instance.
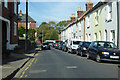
(108, 20)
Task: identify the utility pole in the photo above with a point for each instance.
(42, 36)
(26, 44)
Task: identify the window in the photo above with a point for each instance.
(0, 2)
(99, 35)
(15, 28)
(88, 21)
(95, 44)
(96, 17)
(95, 37)
(15, 7)
(80, 27)
(109, 12)
(105, 37)
(112, 36)
(5, 3)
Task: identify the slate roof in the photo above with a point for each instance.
(23, 18)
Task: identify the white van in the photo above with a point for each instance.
(73, 45)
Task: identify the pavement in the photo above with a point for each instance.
(14, 63)
(58, 64)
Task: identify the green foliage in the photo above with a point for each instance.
(50, 30)
(21, 30)
(31, 34)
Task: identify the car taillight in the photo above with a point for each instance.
(42, 45)
(48, 45)
(56, 44)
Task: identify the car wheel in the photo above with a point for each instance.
(40, 48)
(81, 54)
(98, 59)
(88, 56)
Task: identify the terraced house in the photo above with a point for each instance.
(98, 23)
(9, 19)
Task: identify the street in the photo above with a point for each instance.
(58, 64)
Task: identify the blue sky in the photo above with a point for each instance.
(52, 11)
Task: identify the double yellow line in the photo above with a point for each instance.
(28, 68)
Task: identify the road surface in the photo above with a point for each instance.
(58, 64)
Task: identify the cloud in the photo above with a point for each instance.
(50, 18)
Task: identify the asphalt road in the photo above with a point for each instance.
(58, 64)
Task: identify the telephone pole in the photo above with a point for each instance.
(26, 44)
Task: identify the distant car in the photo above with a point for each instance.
(45, 46)
(101, 50)
(61, 45)
(57, 43)
(73, 46)
(82, 48)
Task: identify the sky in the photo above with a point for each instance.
(51, 11)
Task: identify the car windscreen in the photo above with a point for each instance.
(76, 42)
(45, 43)
(107, 45)
(86, 44)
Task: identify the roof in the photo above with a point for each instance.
(23, 18)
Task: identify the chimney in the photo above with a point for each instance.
(20, 13)
(68, 21)
(73, 18)
(89, 5)
(79, 12)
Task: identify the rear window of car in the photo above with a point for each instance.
(45, 43)
(86, 44)
(76, 42)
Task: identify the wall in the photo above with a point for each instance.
(112, 25)
(119, 24)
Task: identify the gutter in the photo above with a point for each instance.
(118, 31)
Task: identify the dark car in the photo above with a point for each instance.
(45, 46)
(101, 50)
(57, 43)
(82, 48)
(61, 45)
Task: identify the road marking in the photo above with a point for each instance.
(26, 76)
(22, 74)
(35, 61)
(71, 67)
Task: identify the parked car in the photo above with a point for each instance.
(57, 43)
(45, 46)
(101, 50)
(65, 46)
(61, 45)
(82, 48)
(73, 46)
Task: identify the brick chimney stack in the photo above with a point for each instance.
(68, 21)
(73, 18)
(20, 13)
(79, 12)
(89, 5)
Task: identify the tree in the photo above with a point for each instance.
(31, 34)
(21, 30)
(60, 25)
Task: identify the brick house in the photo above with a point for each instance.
(9, 20)
(22, 21)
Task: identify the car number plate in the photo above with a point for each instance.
(115, 57)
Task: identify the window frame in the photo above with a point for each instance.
(15, 29)
(6, 3)
(15, 6)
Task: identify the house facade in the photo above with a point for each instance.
(98, 23)
(9, 20)
(22, 21)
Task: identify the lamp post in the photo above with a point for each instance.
(26, 26)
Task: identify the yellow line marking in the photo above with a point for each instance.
(26, 68)
(35, 61)
(26, 76)
(22, 74)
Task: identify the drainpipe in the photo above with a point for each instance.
(118, 27)
(84, 28)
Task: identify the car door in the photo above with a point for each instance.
(90, 49)
(94, 49)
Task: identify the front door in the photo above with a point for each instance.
(4, 36)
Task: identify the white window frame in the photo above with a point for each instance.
(15, 6)
(80, 27)
(88, 21)
(6, 3)
(15, 28)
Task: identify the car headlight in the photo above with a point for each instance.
(84, 48)
(106, 53)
